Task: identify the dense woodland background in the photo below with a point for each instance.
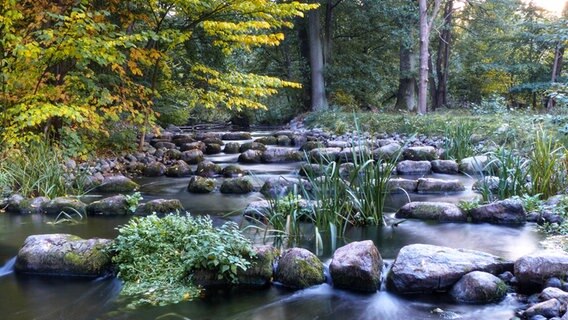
(77, 71)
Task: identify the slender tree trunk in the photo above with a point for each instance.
(328, 30)
(432, 83)
(556, 70)
(406, 96)
(425, 27)
(443, 58)
(319, 100)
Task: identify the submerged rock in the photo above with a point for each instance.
(357, 266)
(299, 268)
(440, 211)
(533, 270)
(479, 287)
(160, 207)
(237, 185)
(117, 184)
(115, 205)
(64, 255)
(439, 185)
(422, 268)
(500, 212)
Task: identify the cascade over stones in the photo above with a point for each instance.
(422, 268)
(299, 268)
(357, 266)
(63, 255)
(533, 270)
(500, 212)
(443, 212)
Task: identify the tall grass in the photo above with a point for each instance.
(37, 170)
(511, 169)
(458, 144)
(548, 166)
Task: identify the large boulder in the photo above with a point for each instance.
(160, 207)
(199, 184)
(420, 153)
(179, 169)
(213, 148)
(154, 169)
(193, 156)
(276, 155)
(396, 185)
(387, 152)
(117, 184)
(533, 270)
(553, 293)
(479, 287)
(474, 165)
(111, 206)
(63, 255)
(440, 211)
(231, 148)
(357, 266)
(428, 185)
(500, 212)
(413, 167)
(422, 268)
(252, 146)
(548, 309)
(208, 169)
(251, 156)
(237, 185)
(14, 203)
(445, 166)
(299, 268)
(68, 205)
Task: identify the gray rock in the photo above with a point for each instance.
(440, 211)
(179, 169)
(261, 270)
(445, 166)
(387, 152)
(213, 148)
(427, 185)
(232, 171)
(231, 148)
(71, 206)
(268, 140)
(13, 203)
(500, 212)
(479, 287)
(63, 255)
(324, 154)
(154, 169)
(257, 210)
(474, 165)
(312, 170)
(283, 140)
(413, 167)
(357, 266)
(182, 139)
(427, 268)
(487, 183)
(553, 293)
(237, 136)
(279, 187)
(117, 184)
(165, 145)
(208, 169)
(533, 270)
(420, 153)
(299, 268)
(251, 156)
(160, 207)
(396, 185)
(111, 206)
(198, 145)
(192, 156)
(199, 184)
(548, 309)
(213, 140)
(310, 145)
(172, 154)
(338, 144)
(278, 155)
(33, 206)
(237, 186)
(252, 146)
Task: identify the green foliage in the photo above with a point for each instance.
(512, 171)
(458, 144)
(548, 166)
(468, 205)
(37, 170)
(530, 203)
(133, 200)
(156, 256)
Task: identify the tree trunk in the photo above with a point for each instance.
(328, 29)
(556, 70)
(432, 83)
(406, 96)
(443, 58)
(319, 100)
(425, 27)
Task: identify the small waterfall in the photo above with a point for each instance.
(8, 267)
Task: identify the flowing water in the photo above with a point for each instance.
(36, 297)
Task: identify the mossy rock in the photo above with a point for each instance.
(208, 169)
(213, 148)
(237, 186)
(160, 207)
(199, 184)
(232, 148)
(68, 205)
(252, 146)
(154, 169)
(232, 171)
(193, 156)
(117, 184)
(111, 206)
(64, 255)
(268, 140)
(179, 169)
(299, 268)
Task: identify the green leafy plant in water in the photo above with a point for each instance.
(512, 171)
(548, 166)
(530, 203)
(155, 257)
(458, 144)
(133, 200)
(75, 217)
(468, 205)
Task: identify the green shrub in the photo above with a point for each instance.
(155, 256)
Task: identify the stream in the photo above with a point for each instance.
(39, 297)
